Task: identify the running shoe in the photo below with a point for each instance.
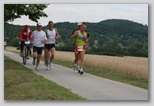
(78, 68)
(74, 67)
(50, 65)
(47, 68)
(81, 71)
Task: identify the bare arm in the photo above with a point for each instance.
(74, 35)
(46, 33)
(57, 34)
(87, 40)
(45, 39)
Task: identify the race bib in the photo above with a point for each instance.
(80, 48)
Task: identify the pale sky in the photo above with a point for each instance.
(90, 13)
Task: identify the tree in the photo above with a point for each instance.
(33, 11)
(136, 49)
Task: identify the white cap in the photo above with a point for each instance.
(39, 24)
(79, 23)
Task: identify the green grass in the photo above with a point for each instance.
(21, 83)
(110, 74)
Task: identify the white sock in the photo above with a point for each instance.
(75, 64)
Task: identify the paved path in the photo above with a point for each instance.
(88, 86)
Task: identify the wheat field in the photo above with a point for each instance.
(137, 66)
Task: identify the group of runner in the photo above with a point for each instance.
(45, 40)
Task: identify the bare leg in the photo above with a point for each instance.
(38, 59)
(52, 53)
(46, 56)
(82, 53)
(76, 57)
(34, 55)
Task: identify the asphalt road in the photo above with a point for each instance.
(88, 86)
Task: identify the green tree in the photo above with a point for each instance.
(136, 49)
(33, 11)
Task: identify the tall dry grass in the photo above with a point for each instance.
(137, 66)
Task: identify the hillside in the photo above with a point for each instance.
(109, 37)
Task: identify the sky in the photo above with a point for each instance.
(90, 13)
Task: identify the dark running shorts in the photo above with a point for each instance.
(49, 46)
(37, 49)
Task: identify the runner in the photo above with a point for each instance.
(81, 39)
(75, 65)
(25, 34)
(38, 38)
(52, 35)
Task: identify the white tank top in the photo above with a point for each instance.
(52, 35)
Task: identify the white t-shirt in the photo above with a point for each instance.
(52, 35)
(38, 37)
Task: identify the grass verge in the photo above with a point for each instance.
(21, 83)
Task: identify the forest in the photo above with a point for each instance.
(114, 37)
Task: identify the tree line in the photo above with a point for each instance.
(115, 37)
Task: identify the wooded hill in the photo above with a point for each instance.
(110, 37)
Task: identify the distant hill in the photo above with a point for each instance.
(109, 37)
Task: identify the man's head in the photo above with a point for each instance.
(39, 26)
(50, 24)
(26, 27)
(79, 24)
(83, 26)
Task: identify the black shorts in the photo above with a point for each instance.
(49, 46)
(37, 49)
